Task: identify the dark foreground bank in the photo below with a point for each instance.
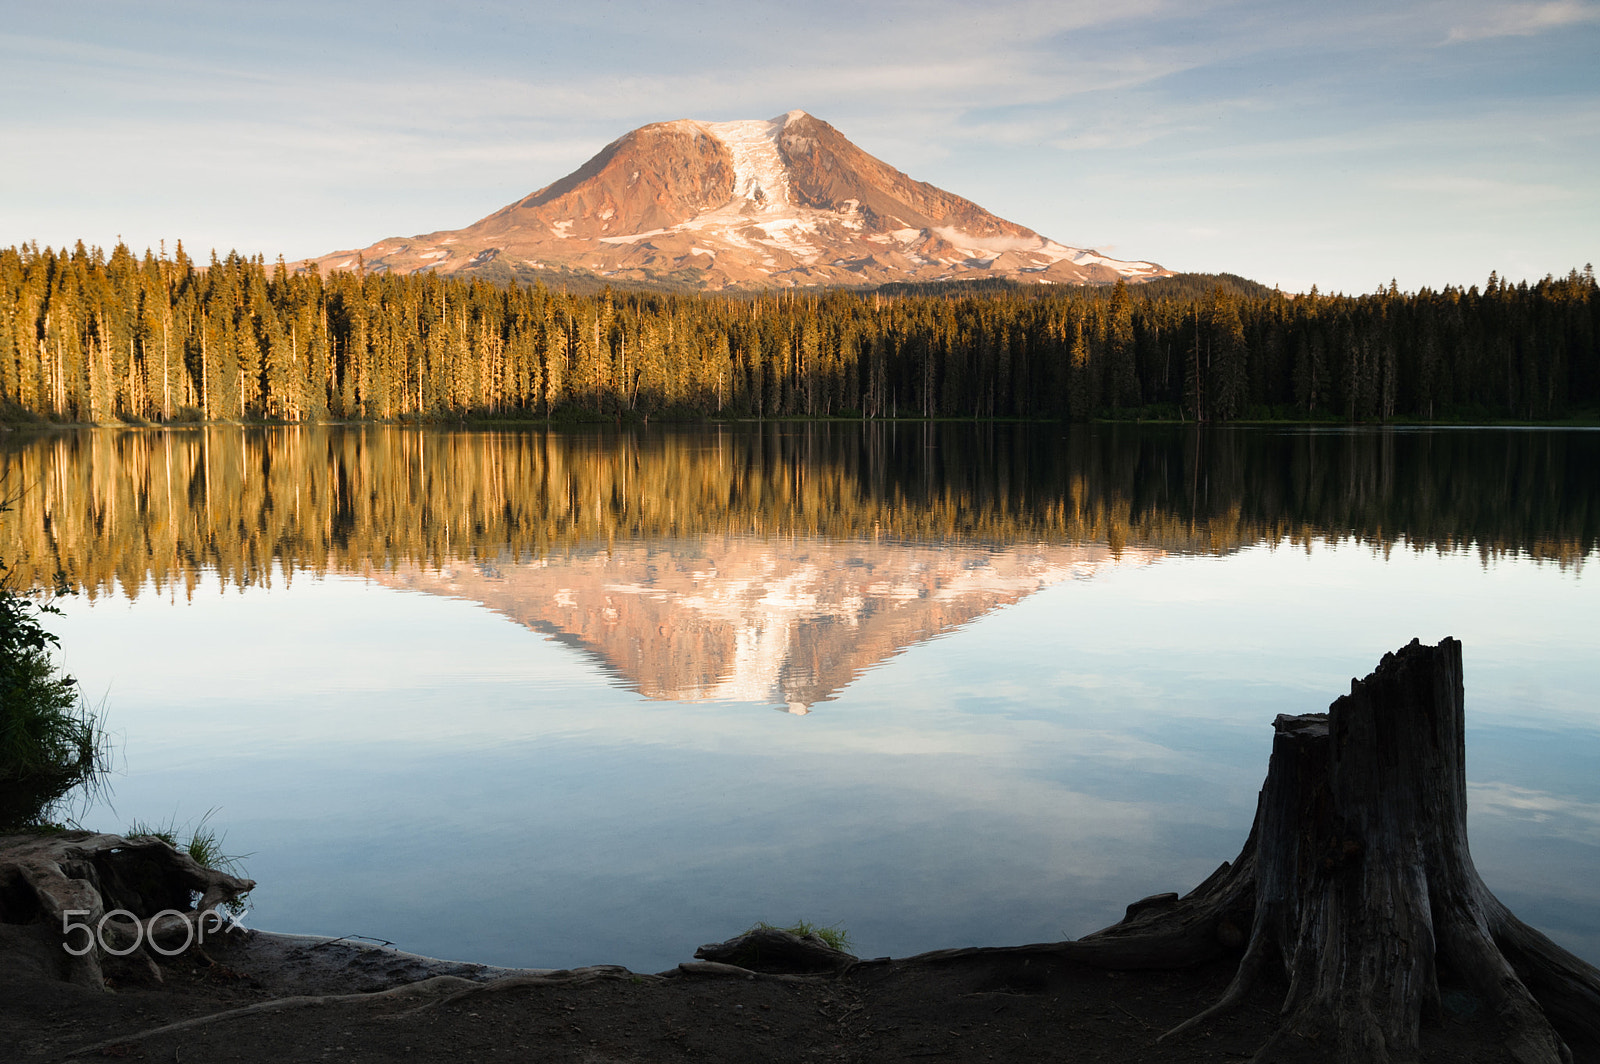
(265, 998)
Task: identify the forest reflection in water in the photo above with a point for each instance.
(157, 508)
(1097, 737)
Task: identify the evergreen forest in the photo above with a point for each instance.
(91, 337)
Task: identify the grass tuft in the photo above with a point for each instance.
(204, 845)
(832, 935)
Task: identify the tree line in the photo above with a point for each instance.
(91, 337)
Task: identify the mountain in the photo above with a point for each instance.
(783, 202)
(786, 623)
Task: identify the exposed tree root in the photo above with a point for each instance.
(560, 977)
(78, 877)
(421, 988)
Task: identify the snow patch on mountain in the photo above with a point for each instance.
(759, 176)
(631, 237)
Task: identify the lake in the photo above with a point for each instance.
(557, 698)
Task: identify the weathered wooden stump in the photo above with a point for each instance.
(1356, 882)
(76, 878)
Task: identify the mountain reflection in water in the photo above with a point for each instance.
(787, 622)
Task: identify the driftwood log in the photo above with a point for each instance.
(77, 878)
(1357, 886)
(774, 950)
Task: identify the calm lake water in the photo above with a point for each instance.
(549, 699)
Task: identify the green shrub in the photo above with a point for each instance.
(50, 740)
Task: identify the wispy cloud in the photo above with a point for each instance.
(1482, 191)
(1556, 815)
(1523, 20)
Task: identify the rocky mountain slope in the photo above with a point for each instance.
(776, 203)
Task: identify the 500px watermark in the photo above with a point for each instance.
(195, 930)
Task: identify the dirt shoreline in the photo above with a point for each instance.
(259, 997)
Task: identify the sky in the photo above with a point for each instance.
(1342, 145)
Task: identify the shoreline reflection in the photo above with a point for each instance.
(138, 509)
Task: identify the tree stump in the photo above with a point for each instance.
(1356, 882)
(76, 878)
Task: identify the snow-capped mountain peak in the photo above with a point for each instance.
(758, 203)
